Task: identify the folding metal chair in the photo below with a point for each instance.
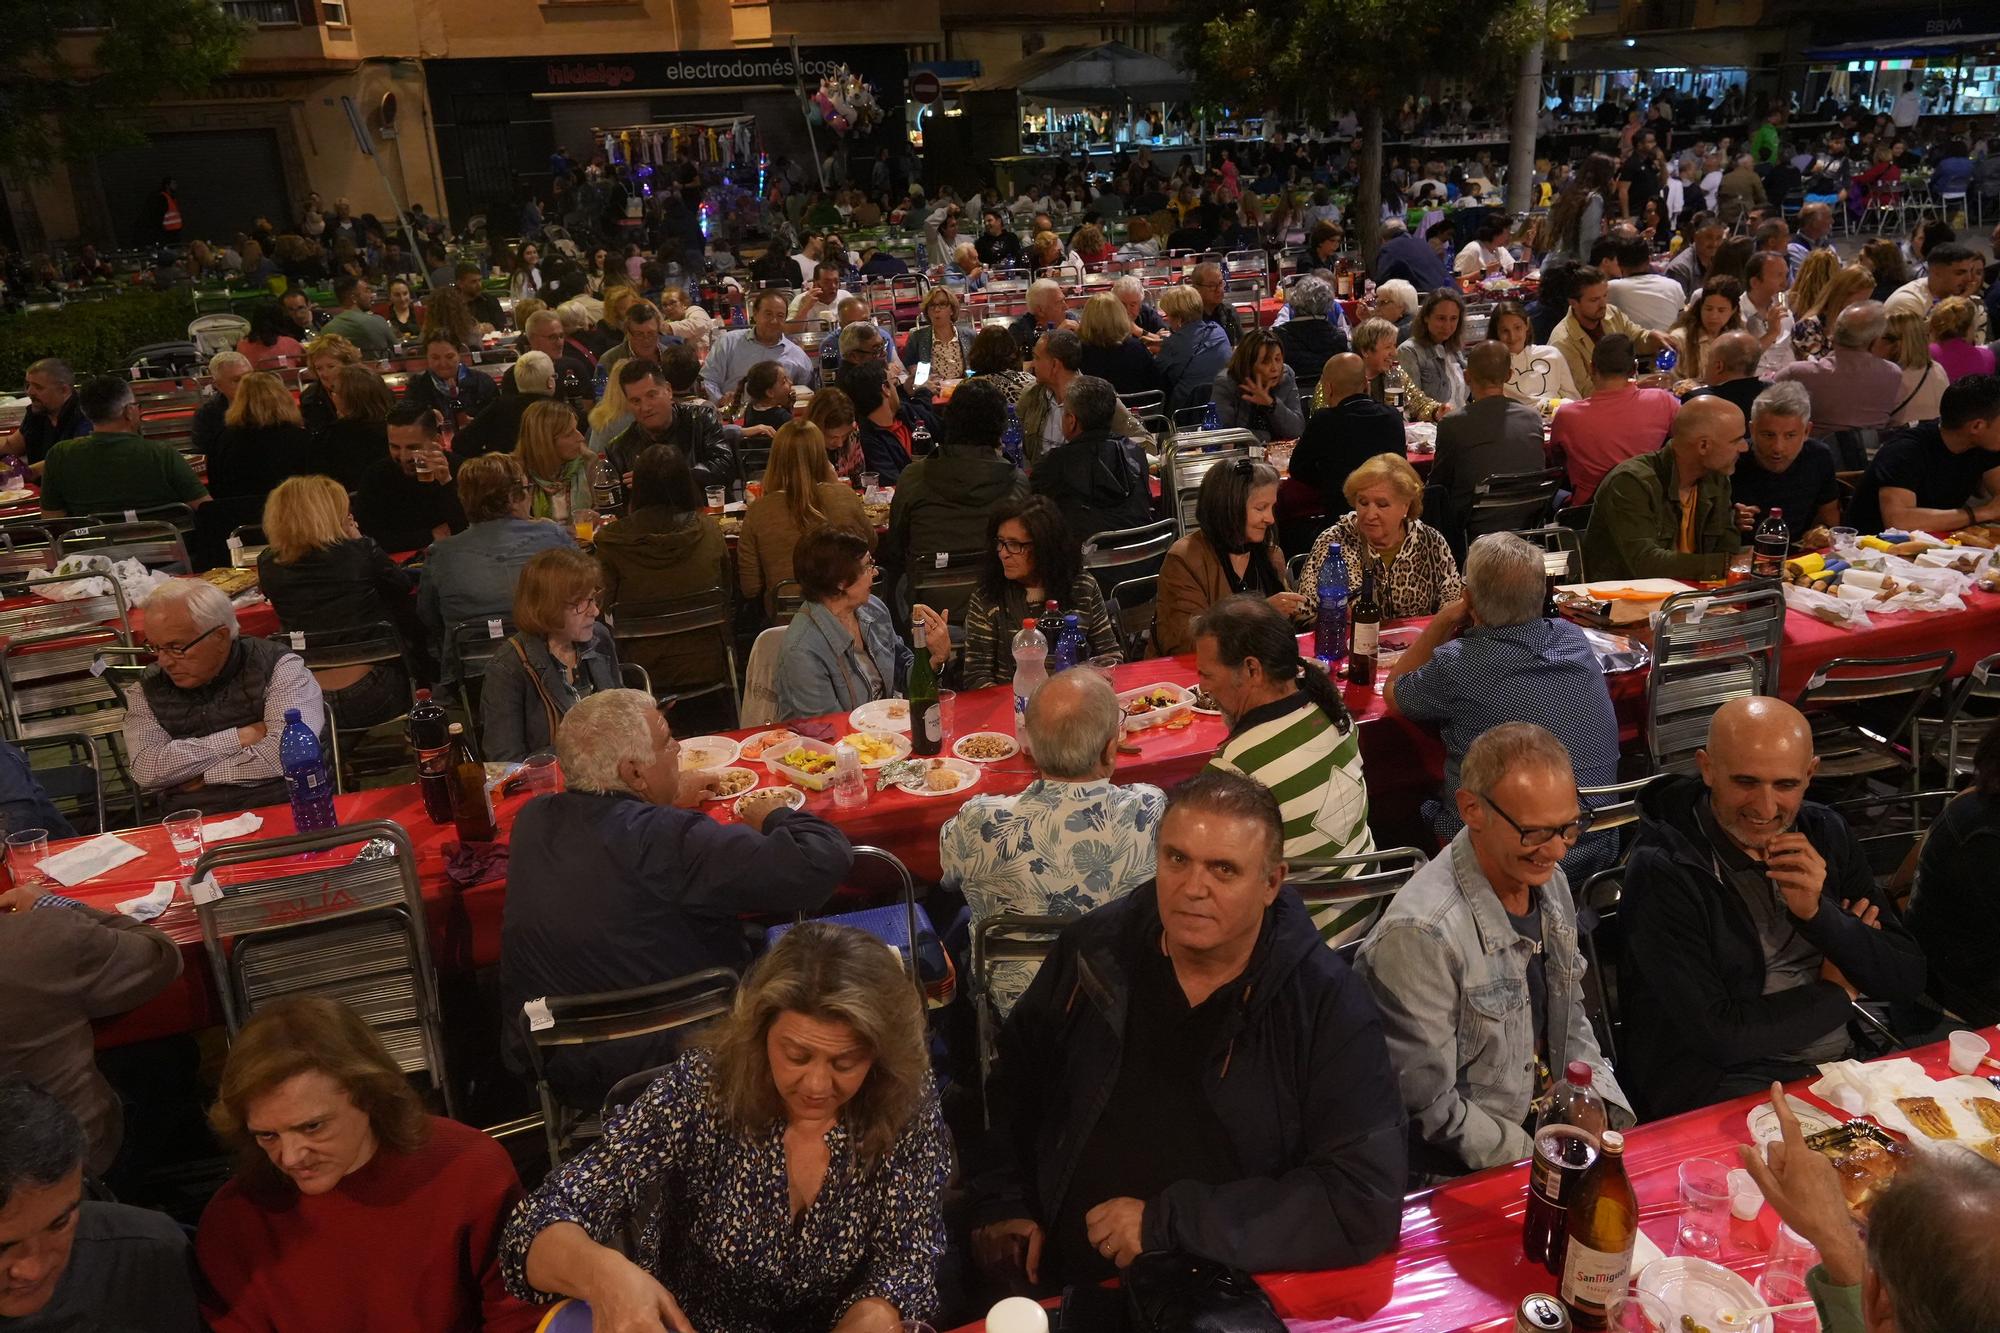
(472, 644)
(74, 782)
(1597, 938)
(1958, 728)
(701, 615)
(1188, 461)
(556, 1023)
(1346, 893)
(1863, 712)
(1615, 805)
(27, 550)
(1708, 648)
(1562, 550)
(1512, 501)
(1128, 553)
(1016, 938)
(944, 581)
(1133, 607)
(371, 645)
(356, 933)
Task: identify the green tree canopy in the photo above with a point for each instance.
(64, 97)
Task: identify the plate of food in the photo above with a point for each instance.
(881, 715)
(1695, 1292)
(757, 747)
(1205, 704)
(986, 747)
(808, 763)
(938, 777)
(16, 495)
(768, 798)
(1866, 1159)
(708, 752)
(731, 782)
(877, 748)
(1154, 705)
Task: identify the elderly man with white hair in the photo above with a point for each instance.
(1131, 294)
(225, 371)
(203, 724)
(1312, 328)
(1852, 387)
(1046, 310)
(545, 333)
(1088, 840)
(621, 880)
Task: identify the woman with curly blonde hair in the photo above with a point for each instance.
(786, 1176)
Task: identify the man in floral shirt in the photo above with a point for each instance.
(1072, 841)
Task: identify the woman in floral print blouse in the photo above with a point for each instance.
(787, 1177)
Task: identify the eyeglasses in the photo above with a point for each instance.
(1535, 837)
(1008, 546)
(177, 650)
(581, 603)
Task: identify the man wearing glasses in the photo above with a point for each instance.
(1748, 921)
(1475, 964)
(205, 720)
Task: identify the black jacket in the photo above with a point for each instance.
(1301, 1078)
(349, 447)
(252, 460)
(472, 393)
(1128, 367)
(1098, 481)
(400, 512)
(1308, 345)
(1002, 249)
(942, 503)
(497, 429)
(352, 582)
(883, 453)
(1339, 439)
(695, 430)
(1692, 978)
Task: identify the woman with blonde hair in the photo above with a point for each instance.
(1415, 572)
(351, 1207)
(609, 418)
(1907, 342)
(1952, 320)
(263, 441)
(1812, 330)
(1112, 348)
(1815, 272)
(325, 357)
(559, 653)
(553, 453)
(937, 339)
(801, 493)
(786, 1176)
(323, 577)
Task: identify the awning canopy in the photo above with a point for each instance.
(1903, 47)
(1106, 72)
(1711, 50)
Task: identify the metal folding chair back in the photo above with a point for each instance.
(1562, 550)
(157, 545)
(1188, 461)
(357, 933)
(944, 580)
(1708, 648)
(1008, 937)
(684, 1004)
(1128, 553)
(27, 550)
(1597, 904)
(1615, 805)
(73, 781)
(1133, 607)
(1969, 716)
(1512, 501)
(1863, 711)
(700, 615)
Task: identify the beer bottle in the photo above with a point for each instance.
(1603, 1227)
(926, 720)
(471, 805)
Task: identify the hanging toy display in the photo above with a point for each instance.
(845, 103)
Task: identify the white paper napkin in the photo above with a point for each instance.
(148, 906)
(106, 851)
(223, 829)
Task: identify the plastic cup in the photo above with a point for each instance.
(947, 707)
(717, 496)
(1844, 539)
(1784, 1279)
(1636, 1312)
(540, 774)
(1967, 1050)
(1745, 1199)
(25, 852)
(1704, 1208)
(184, 832)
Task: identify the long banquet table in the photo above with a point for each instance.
(1403, 762)
(1458, 1267)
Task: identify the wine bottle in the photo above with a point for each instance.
(1603, 1226)
(926, 721)
(1365, 629)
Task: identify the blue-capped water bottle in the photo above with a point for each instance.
(1071, 646)
(1212, 418)
(306, 777)
(1664, 359)
(1010, 438)
(1330, 626)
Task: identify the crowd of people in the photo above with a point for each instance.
(1208, 1060)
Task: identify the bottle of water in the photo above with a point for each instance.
(1664, 359)
(1010, 437)
(1031, 668)
(1330, 628)
(1212, 418)
(306, 776)
(1072, 647)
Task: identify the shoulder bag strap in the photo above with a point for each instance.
(535, 679)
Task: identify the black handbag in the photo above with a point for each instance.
(1169, 1292)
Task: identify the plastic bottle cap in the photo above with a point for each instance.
(292, 715)
(1578, 1073)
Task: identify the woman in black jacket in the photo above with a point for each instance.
(1112, 349)
(358, 439)
(323, 577)
(263, 440)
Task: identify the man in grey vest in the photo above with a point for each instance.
(203, 724)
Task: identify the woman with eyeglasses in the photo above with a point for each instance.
(939, 341)
(1233, 549)
(665, 550)
(559, 653)
(841, 650)
(1031, 559)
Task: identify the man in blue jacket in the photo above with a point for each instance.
(1420, 262)
(1193, 1069)
(1749, 922)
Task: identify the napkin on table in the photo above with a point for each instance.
(147, 906)
(106, 851)
(222, 830)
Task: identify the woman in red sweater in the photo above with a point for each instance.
(351, 1208)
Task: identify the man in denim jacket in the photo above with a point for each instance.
(1475, 964)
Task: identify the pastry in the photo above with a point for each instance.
(1928, 1117)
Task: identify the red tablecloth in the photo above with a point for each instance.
(1972, 633)
(1458, 1266)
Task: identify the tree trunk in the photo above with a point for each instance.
(1366, 220)
(1527, 108)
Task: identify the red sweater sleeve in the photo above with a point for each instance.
(226, 1248)
(490, 1188)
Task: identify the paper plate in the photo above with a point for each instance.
(757, 748)
(1763, 1121)
(739, 786)
(793, 797)
(708, 752)
(898, 745)
(1005, 746)
(1697, 1289)
(968, 777)
(881, 715)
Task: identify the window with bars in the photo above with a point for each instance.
(264, 13)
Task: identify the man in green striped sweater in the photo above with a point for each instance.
(1289, 730)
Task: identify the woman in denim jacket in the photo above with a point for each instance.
(841, 650)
